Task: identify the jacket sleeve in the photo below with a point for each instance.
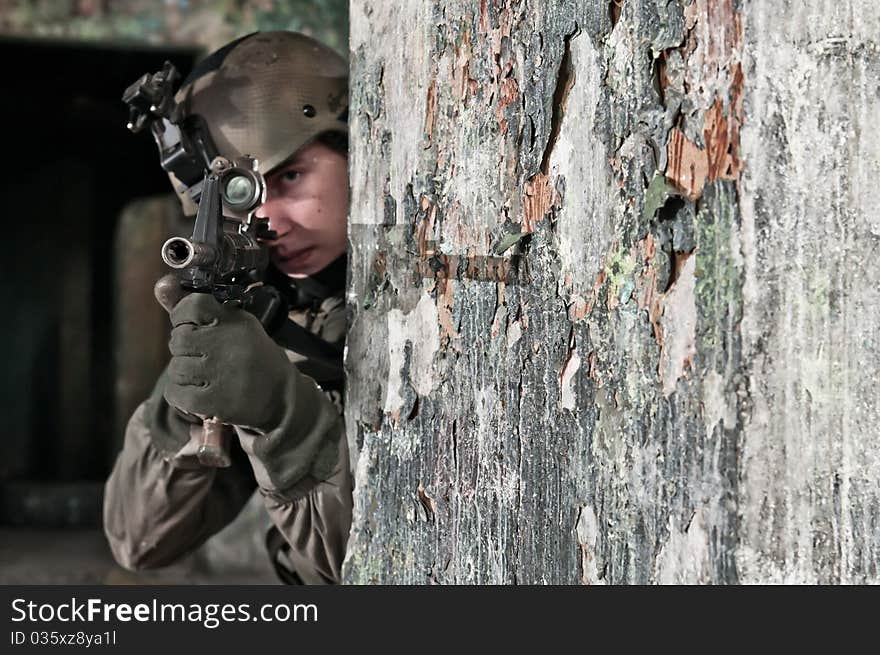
(302, 470)
(159, 502)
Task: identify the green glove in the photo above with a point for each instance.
(169, 428)
(225, 366)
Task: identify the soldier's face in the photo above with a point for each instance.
(307, 205)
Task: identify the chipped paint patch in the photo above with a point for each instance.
(650, 298)
(514, 332)
(691, 167)
(444, 313)
(459, 74)
(684, 557)
(538, 198)
(722, 137)
(431, 110)
(568, 396)
(581, 161)
(704, 145)
(419, 328)
(587, 531)
(688, 165)
(508, 93)
(499, 319)
(578, 308)
(678, 325)
(593, 371)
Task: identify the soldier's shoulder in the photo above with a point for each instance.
(330, 319)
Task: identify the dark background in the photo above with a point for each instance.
(71, 166)
(86, 210)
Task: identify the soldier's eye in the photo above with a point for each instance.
(289, 176)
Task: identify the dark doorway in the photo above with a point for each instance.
(69, 166)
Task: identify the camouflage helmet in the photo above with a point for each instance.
(267, 95)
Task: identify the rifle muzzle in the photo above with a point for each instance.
(180, 252)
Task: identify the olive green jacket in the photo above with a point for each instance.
(161, 504)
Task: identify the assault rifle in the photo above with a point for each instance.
(225, 255)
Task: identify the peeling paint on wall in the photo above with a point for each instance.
(587, 531)
(581, 160)
(678, 324)
(623, 217)
(566, 378)
(418, 329)
(685, 557)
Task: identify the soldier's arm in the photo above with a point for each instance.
(159, 502)
(302, 469)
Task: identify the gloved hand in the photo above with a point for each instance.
(168, 291)
(225, 366)
(169, 428)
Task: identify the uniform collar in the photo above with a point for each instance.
(313, 290)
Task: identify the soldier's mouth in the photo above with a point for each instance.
(295, 256)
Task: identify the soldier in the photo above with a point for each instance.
(281, 98)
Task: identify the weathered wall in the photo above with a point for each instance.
(811, 325)
(205, 23)
(613, 318)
